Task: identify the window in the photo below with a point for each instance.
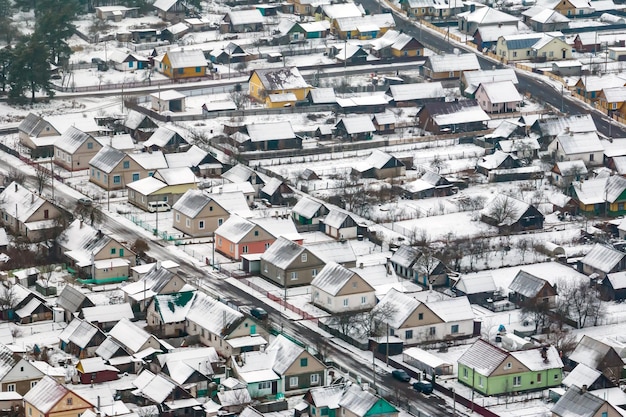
(363, 300)
(517, 381)
(420, 316)
(354, 284)
(113, 251)
(256, 232)
(454, 329)
(98, 174)
(188, 222)
(210, 208)
(538, 378)
(294, 275)
(345, 302)
(244, 249)
(33, 383)
(126, 164)
(121, 252)
(605, 414)
(177, 217)
(304, 362)
(198, 69)
(408, 334)
(465, 373)
(135, 176)
(265, 268)
(590, 157)
(220, 221)
(181, 70)
(313, 272)
(392, 332)
(293, 381)
(92, 172)
(267, 246)
(551, 54)
(508, 365)
(89, 145)
(69, 401)
(315, 380)
(432, 331)
(480, 381)
(201, 224)
(46, 214)
(303, 257)
(232, 247)
(58, 153)
(265, 385)
(219, 241)
(117, 179)
(514, 53)
(11, 387)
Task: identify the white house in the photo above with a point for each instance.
(572, 146)
(498, 97)
(338, 290)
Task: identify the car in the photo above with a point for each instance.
(423, 387)
(87, 202)
(259, 313)
(400, 375)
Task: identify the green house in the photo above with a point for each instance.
(491, 370)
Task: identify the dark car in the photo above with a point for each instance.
(400, 375)
(258, 313)
(423, 386)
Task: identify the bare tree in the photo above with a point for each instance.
(437, 163)
(8, 297)
(503, 210)
(239, 97)
(379, 319)
(580, 302)
(42, 178)
(15, 175)
(89, 212)
(562, 339)
(426, 265)
(537, 311)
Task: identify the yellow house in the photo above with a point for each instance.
(48, 398)
(574, 7)
(182, 64)
(264, 82)
(532, 46)
(166, 185)
(113, 169)
(612, 99)
(364, 27)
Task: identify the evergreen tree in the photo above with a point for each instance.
(30, 69)
(6, 59)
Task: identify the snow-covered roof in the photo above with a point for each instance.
(579, 143)
(193, 201)
(527, 284)
(487, 16)
(367, 22)
(332, 278)
(245, 17)
(377, 159)
(329, 396)
(130, 335)
(187, 58)
(164, 5)
(281, 78)
(285, 353)
(577, 403)
(418, 91)
(242, 173)
(549, 16)
(477, 283)
(615, 94)
(402, 306)
(176, 176)
(576, 123)
(483, 357)
(333, 251)
(261, 132)
(282, 252)
(359, 401)
(70, 299)
(338, 11)
(96, 364)
(453, 62)
(454, 309)
(81, 333)
(475, 78)
(213, 315)
(232, 397)
(465, 111)
(173, 308)
(336, 217)
(181, 363)
(597, 83)
(603, 258)
(591, 352)
(581, 375)
(71, 140)
(501, 92)
(162, 136)
(519, 144)
(255, 367)
(534, 360)
(153, 387)
(617, 280)
(19, 202)
(516, 211)
(282, 97)
(190, 158)
(106, 159)
(357, 124)
(45, 394)
(108, 313)
(150, 161)
(494, 160)
(147, 186)
(323, 95)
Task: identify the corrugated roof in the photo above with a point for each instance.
(245, 17)
(576, 403)
(187, 58)
(581, 375)
(455, 309)
(72, 139)
(483, 357)
(453, 62)
(574, 123)
(576, 143)
(379, 21)
(418, 91)
(106, 159)
(213, 315)
(71, 298)
(534, 360)
(477, 283)
(45, 394)
(527, 284)
(285, 351)
(603, 258)
(129, 335)
(591, 352)
(332, 278)
(282, 253)
(401, 306)
(405, 256)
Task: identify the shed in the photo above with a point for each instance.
(427, 362)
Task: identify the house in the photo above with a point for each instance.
(116, 13)
(81, 338)
(470, 80)
(175, 32)
(72, 301)
(573, 8)
(612, 99)
(26, 214)
(332, 12)
(508, 213)
(243, 173)
(591, 86)
(409, 95)
(366, 27)
(157, 281)
(166, 101)
(460, 116)
(613, 286)
(355, 128)
(106, 316)
(549, 21)
(478, 288)
(350, 400)
(187, 63)
(527, 148)
(166, 140)
(564, 173)
(95, 255)
(295, 367)
(572, 146)
(450, 66)
(550, 128)
(584, 375)
(384, 123)
(28, 306)
(498, 97)
(600, 356)
(166, 185)
(308, 211)
(379, 165)
(162, 392)
(190, 367)
(74, 147)
(430, 184)
(324, 95)
(601, 196)
(288, 264)
(432, 8)
(267, 136)
(49, 398)
(95, 370)
(38, 135)
(486, 37)
(300, 31)
(403, 260)
(134, 339)
(230, 54)
(264, 82)
(341, 224)
(337, 289)
(527, 288)
(497, 161)
(603, 260)
(240, 21)
(394, 44)
(580, 402)
(112, 169)
(198, 214)
(277, 192)
(219, 326)
(128, 61)
(351, 53)
(238, 236)
(172, 10)
(335, 251)
(533, 46)
(138, 125)
(18, 374)
(166, 313)
(470, 21)
(491, 370)
(415, 321)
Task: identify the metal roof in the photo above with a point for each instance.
(107, 159)
(72, 139)
(527, 284)
(603, 258)
(483, 357)
(332, 278)
(282, 253)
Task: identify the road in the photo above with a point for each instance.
(541, 90)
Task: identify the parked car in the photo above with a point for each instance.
(259, 313)
(423, 386)
(400, 375)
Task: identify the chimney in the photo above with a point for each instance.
(16, 187)
(361, 265)
(32, 198)
(81, 225)
(584, 388)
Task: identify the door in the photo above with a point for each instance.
(253, 329)
(274, 387)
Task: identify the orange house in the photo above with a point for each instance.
(48, 398)
(238, 236)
